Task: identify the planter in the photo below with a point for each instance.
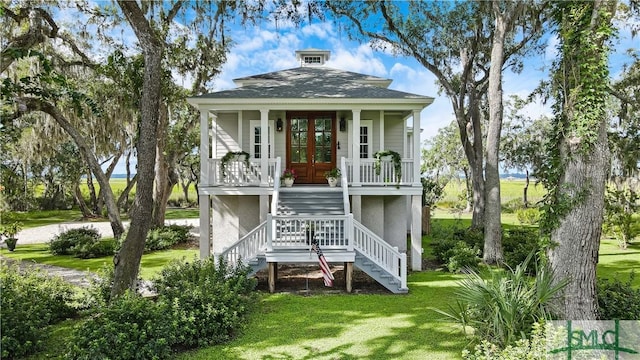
(11, 243)
(288, 182)
(332, 181)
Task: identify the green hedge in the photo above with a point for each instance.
(29, 302)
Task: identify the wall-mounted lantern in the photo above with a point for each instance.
(343, 124)
(279, 125)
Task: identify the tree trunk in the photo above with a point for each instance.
(185, 190)
(84, 209)
(124, 197)
(476, 162)
(92, 194)
(127, 261)
(492, 253)
(525, 199)
(578, 236)
(583, 153)
(471, 138)
(162, 185)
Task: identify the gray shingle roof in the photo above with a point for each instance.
(309, 83)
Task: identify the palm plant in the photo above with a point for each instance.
(503, 307)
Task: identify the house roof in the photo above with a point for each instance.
(312, 83)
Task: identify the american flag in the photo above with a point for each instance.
(327, 276)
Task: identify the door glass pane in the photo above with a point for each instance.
(323, 139)
(299, 132)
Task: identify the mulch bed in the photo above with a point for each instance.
(307, 280)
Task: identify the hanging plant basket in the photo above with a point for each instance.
(389, 155)
(233, 155)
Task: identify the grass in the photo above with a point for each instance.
(31, 219)
(152, 263)
(118, 186)
(614, 262)
(289, 326)
(510, 190)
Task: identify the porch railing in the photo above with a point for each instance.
(237, 173)
(380, 252)
(298, 232)
(250, 245)
(385, 175)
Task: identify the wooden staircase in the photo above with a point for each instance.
(342, 239)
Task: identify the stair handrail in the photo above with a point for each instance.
(247, 247)
(345, 185)
(385, 255)
(276, 186)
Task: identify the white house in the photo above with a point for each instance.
(311, 119)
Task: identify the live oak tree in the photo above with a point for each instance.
(579, 152)
(151, 23)
(37, 79)
(466, 45)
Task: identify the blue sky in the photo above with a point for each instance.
(267, 48)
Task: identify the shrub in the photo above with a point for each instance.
(99, 291)
(474, 238)
(530, 349)
(445, 240)
(167, 236)
(518, 243)
(462, 257)
(30, 302)
(618, 300)
(513, 205)
(528, 216)
(503, 307)
(208, 301)
(66, 242)
(442, 249)
(96, 249)
(130, 327)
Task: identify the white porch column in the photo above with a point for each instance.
(264, 207)
(417, 158)
(416, 232)
(264, 147)
(240, 130)
(381, 129)
(355, 147)
(204, 148)
(205, 226)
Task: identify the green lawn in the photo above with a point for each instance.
(289, 326)
(151, 265)
(510, 190)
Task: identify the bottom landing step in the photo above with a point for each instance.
(308, 256)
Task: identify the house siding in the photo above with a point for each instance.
(394, 134)
(233, 217)
(395, 232)
(227, 134)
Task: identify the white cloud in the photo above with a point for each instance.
(551, 52)
(360, 59)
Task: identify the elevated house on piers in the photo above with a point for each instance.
(312, 119)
